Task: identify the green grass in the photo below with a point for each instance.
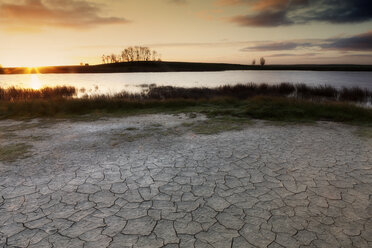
(134, 134)
(213, 125)
(131, 137)
(10, 153)
(132, 129)
(364, 132)
(267, 108)
(291, 110)
(218, 125)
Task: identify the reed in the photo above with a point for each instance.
(239, 91)
(14, 94)
(283, 102)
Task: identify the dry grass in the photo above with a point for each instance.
(15, 94)
(284, 102)
(239, 91)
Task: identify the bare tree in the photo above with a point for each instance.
(147, 54)
(262, 61)
(254, 62)
(124, 56)
(136, 53)
(113, 58)
(130, 54)
(155, 56)
(103, 59)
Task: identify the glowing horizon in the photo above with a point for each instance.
(37, 33)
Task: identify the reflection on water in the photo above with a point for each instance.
(136, 82)
(35, 82)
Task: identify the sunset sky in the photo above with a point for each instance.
(59, 32)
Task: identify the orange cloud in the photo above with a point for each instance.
(38, 14)
(232, 2)
(260, 5)
(269, 4)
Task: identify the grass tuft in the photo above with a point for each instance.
(218, 125)
(12, 152)
(364, 132)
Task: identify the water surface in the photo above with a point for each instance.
(134, 82)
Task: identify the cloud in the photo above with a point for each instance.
(201, 44)
(278, 46)
(360, 42)
(293, 55)
(272, 13)
(38, 14)
(264, 19)
(178, 1)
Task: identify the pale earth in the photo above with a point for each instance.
(86, 184)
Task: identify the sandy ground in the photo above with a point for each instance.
(150, 181)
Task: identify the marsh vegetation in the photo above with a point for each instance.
(283, 102)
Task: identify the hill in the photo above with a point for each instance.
(151, 66)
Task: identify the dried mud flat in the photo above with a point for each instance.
(152, 181)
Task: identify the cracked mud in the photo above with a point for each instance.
(119, 183)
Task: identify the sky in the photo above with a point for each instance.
(70, 32)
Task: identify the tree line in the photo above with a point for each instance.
(262, 61)
(130, 54)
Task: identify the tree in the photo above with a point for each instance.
(130, 54)
(254, 62)
(262, 61)
(113, 58)
(155, 56)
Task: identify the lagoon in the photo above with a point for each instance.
(96, 83)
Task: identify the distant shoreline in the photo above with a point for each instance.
(151, 66)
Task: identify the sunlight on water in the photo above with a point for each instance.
(35, 82)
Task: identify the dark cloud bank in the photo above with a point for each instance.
(272, 13)
(361, 42)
